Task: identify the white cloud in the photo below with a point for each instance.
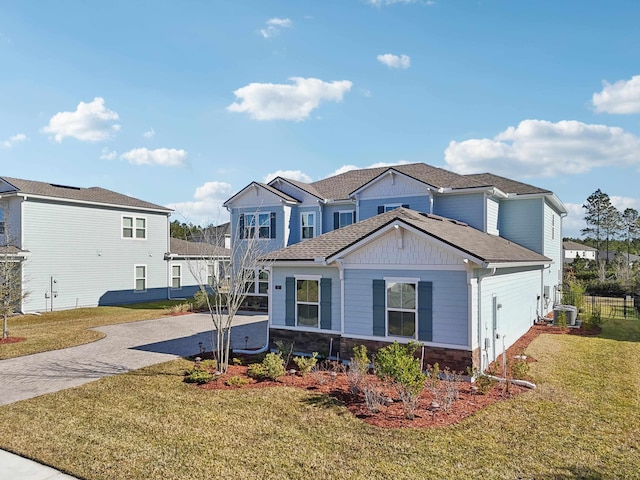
(206, 208)
(274, 25)
(348, 168)
(291, 174)
(91, 122)
(620, 97)
(149, 133)
(108, 154)
(14, 140)
(166, 157)
(268, 101)
(538, 148)
(395, 61)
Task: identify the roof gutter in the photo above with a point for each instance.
(27, 196)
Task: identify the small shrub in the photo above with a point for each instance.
(433, 376)
(200, 300)
(561, 319)
(236, 361)
(358, 368)
(520, 369)
(447, 390)
(285, 350)
(484, 383)
(593, 320)
(398, 365)
(257, 371)
(236, 381)
(305, 364)
(272, 368)
(374, 398)
(198, 376)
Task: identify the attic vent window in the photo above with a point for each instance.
(64, 186)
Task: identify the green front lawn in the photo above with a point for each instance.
(68, 328)
(583, 421)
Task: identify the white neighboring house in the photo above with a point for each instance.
(83, 247)
(575, 249)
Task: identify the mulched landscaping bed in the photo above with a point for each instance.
(11, 340)
(331, 380)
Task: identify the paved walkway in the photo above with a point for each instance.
(126, 347)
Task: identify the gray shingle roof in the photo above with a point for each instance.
(480, 245)
(341, 186)
(184, 248)
(506, 184)
(578, 246)
(10, 250)
(92, 194)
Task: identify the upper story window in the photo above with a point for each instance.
(2, 230)
(134, 227)
(258, 225)
(307, 222)
(343, 218)
(390, 206)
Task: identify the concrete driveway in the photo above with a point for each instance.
(126, 347)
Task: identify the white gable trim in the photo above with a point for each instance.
(391, 173)
(253, 188)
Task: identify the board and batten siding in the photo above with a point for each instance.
(83, 249)
(277, 301)
(449, 295)
(516, 292)
(465, 208)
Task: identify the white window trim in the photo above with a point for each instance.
(135, 277)
(316, 278)
(312, 225)
(413, 281)
(256, 225)
(340, 212)
(179, 277)
(256, 282)
(389, 206)
(133, 227)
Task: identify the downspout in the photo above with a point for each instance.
(522, 383)
(265, 347)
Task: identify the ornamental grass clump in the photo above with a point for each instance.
(399, 366)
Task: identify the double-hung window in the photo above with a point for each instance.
(176, 276)
(140, 278)
(260, 223)
(307, 223)
(259, 287)
(307, 302)
(343, 218)
(134, 227)
(401, 308)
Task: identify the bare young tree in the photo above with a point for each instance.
(11, 285)
(226, 291)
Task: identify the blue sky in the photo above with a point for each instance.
(183, 103)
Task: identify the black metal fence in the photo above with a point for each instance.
(627, 306)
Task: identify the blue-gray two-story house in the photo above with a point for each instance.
(463, 264)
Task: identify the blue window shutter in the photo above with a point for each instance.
(354, 216)
(405, 205)
(290, 302)
(273, 224)
(380, 209)
(241, 225)
(379, 314)
(425, 311)
(325, 303)
(336, 220)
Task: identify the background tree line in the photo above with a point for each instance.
(610, 231)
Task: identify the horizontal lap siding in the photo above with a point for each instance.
(369, 208)
(466, 208)
(521, 222)
(450, 302)
(278, 278)
(82, 247)
(517, 292)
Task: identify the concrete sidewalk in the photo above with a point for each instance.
(126, 347)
